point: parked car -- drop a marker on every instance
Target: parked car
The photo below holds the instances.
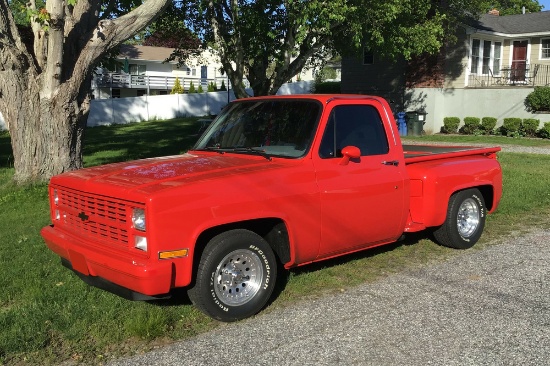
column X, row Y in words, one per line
column 274, row 182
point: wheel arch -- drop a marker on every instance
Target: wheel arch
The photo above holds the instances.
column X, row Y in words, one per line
column 272, row 229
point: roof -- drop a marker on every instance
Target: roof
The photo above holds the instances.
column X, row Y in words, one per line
column 147, row 53
column 524, row 24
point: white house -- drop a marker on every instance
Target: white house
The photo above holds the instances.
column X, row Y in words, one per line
column 142, row 70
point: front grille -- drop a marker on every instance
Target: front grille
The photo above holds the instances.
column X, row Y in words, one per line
column 99, row 218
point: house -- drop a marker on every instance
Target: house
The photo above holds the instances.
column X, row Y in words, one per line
column 142, row 70
column 488, row 72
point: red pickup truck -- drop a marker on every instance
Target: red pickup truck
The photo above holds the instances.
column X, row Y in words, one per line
column 273, row 182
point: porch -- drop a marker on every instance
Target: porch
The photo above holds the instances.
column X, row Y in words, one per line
column 526, row 76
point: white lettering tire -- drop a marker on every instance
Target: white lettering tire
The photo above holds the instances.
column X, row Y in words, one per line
column 465, row 220
column 235, row 276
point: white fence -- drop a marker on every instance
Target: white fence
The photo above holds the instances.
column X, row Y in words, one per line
column 146, row 108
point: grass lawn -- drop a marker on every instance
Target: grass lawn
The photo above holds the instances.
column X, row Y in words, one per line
column 48, row 315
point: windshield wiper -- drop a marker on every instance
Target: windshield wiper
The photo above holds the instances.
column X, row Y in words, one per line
column 254, row 150
column 213, row 148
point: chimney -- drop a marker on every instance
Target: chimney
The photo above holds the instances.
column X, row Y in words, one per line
column 494, row 12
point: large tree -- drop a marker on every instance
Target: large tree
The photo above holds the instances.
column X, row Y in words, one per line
column 270, row 41
column 46, row 71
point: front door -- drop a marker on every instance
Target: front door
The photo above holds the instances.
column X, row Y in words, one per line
column 519, row 61
column 363, row 200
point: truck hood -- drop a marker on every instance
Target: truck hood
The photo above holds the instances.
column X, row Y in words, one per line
column 150, row 175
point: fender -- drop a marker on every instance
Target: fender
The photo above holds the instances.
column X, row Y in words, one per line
column 433, row 183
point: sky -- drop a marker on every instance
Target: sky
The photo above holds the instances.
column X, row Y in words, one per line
column 545, row 3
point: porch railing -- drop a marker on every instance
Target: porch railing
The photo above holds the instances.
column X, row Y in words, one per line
column 536, row 75
column 116, row 80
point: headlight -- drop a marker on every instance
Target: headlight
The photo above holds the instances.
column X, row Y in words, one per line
column 138, row 219
column 55, row 197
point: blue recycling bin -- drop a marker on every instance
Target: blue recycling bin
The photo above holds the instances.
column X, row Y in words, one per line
column 402, row 123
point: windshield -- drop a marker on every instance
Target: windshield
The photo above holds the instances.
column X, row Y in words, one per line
column 282, row 128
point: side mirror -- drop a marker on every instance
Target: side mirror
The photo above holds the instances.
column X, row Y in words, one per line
column 350, row 152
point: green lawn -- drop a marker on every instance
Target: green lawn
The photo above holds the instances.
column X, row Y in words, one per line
column 48, row 315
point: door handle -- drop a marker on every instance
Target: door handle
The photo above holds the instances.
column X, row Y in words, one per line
column 392, row 162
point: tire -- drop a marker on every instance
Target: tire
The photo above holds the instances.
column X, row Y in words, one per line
column 465, row 220
column 236, row 276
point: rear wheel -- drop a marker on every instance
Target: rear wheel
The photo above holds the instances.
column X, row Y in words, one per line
column 235, row 277
column 465, row 220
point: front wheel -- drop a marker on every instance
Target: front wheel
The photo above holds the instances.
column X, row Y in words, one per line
column 235, row 277
column 465, row 220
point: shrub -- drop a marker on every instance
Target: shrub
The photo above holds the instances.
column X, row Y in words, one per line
column 510, row 127
column 192, row 88
column 200, row 90
column 544, row 132
column 529, row 126
column 223, row 88
column 539, row 99
column 471, row 125
column 488, row 124
column 212, row 87
column 327, row 87
column 450, row 124
column 177, row 89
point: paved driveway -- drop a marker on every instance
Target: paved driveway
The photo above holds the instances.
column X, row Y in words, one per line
column 486, row 307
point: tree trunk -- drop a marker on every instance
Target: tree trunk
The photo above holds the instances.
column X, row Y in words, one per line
column 46, row 135
column 45, row 101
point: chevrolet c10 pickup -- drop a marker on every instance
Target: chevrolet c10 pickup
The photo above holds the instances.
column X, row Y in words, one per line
column 273, row 183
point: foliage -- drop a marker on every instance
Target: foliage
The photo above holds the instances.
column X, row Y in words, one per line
column 539, row 99
column 269, row 42
column 200, row 89
column 544, row 132
column 212, row 87
column 223, row 87
column 326, row 73
column 177, row 89
column 192, row 88
column 327, row 87
column 450, row 124
column 529, row 127
column 511, row 127
column 471, row 125
column 488, row 125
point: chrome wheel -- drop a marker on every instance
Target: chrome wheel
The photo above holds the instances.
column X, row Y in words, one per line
column 468, row 218
column 238, row 277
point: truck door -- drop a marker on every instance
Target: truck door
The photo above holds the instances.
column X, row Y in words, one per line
column 362, row 200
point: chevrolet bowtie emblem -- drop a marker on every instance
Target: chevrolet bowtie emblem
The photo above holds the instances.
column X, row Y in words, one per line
column 82, row 216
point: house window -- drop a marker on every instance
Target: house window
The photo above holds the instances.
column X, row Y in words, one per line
column 496, row 57
column 194, row 72
column 545, row 48
column 137, row 69
column 475, row 56
column 368, row 56
column 187, row 71
column 485, row 55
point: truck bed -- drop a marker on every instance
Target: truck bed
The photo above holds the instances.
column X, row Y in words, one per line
column 418, row 153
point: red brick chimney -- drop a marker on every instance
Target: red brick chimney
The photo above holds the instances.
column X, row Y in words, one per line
column 494, row 12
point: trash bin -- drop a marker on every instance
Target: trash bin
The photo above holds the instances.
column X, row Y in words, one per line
column 415, row 123
column 402, row 123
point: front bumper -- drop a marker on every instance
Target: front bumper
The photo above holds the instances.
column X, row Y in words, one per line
column 131, row 278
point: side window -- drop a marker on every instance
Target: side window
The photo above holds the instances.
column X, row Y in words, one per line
column 354, row 125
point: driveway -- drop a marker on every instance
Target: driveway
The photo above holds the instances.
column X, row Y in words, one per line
column 482, row 307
